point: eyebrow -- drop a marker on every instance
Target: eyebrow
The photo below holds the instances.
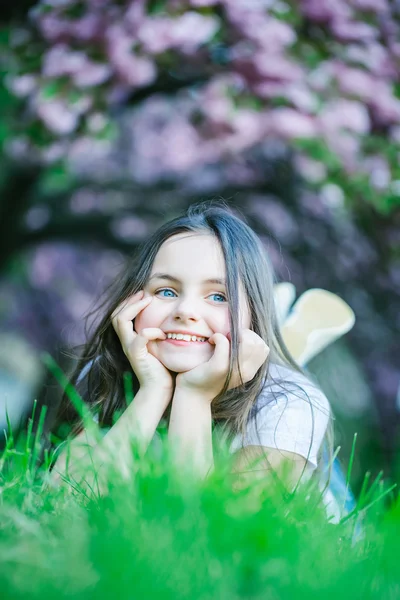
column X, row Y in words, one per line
column 171, row 278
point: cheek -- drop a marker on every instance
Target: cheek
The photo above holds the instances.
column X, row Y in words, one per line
column 144, row 319
column 223, row 325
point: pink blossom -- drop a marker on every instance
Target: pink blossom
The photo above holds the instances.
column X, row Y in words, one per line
column 323, row 12
column 96, row 122
column 186, row 32
column 301, row 97
column 355, row 81
column 215, row 102
column 22, row 85
column 92, row 74
column 60, row 60
column 347, row 148
column 320, row 78
column 52, row 27
column 395, row 49
column 131, row 68
column 85, row 151
column 78, row 303
column 83, row 201
column 379, row 171
column 277, row 67
column 180, row 145
column 129, row 227
column 371, row 5
column 395, row 134
column 351, row 31
column 201, row 3
column 88, row 27
column 312, row 170
column 290, row 124
column 373, row 57
column 156, row 35
column 249, row 129
column 57, row 116
column 135, row 15
column 269, row 33
column 43, row 266
column 345, row 114
column 260, row 6
column 270, row 89
column 386, row 108
column 18, row 147
column 266, row 66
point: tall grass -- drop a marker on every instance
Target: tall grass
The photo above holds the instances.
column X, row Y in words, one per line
column 164, row 534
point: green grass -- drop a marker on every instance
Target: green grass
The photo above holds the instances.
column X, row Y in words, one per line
column 165, row 535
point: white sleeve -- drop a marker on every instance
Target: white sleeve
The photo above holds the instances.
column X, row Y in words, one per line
column 291, row 422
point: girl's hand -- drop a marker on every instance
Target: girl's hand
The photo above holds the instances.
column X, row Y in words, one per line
column 208, row 378
column 147, row 368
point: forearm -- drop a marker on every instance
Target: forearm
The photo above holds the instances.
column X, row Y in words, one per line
column 190, row 431
column 139, row 420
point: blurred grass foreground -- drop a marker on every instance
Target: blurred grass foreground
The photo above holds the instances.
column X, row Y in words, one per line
column 164, row 534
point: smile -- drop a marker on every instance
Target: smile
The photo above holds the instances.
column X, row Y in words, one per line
column 183, row 342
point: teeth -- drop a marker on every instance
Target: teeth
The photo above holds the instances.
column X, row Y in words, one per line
column 187, row 338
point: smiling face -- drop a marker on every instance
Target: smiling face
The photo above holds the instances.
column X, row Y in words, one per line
column 187, row 301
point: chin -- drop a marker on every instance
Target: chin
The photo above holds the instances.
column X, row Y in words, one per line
column 179, row 366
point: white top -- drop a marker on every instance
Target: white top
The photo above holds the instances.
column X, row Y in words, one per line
column 286, row 418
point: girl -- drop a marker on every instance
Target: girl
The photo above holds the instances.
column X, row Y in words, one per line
column 193, row 319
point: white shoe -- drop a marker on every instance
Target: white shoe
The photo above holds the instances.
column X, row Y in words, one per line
column 317, row 319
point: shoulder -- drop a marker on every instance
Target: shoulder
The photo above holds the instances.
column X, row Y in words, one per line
column 284, row 386
column 291, row 413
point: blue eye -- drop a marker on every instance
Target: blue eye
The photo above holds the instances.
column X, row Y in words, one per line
column 164, row 290
column 221, row 295
column 172, row 292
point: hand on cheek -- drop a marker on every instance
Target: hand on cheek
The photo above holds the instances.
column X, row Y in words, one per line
column 207, row 379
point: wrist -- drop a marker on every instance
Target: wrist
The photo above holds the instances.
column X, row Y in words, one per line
column 155, row 394
column 185, row 395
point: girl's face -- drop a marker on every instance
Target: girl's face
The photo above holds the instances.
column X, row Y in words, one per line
column 186, row 302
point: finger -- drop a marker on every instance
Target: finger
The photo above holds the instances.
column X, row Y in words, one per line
column 220, row 359
column 134, row 298
column 123, row 319
column 128, row 306
column 139, row 345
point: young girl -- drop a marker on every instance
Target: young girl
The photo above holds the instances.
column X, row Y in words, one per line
column 193, row 319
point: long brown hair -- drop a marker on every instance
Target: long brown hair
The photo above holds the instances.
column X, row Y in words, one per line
column 246, row 260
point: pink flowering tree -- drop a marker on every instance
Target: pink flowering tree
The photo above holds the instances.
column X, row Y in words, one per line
column 200, row 82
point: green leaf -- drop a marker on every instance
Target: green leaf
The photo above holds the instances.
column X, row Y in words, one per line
column 56, row 179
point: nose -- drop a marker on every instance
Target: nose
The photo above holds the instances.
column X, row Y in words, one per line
column 186, row 309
